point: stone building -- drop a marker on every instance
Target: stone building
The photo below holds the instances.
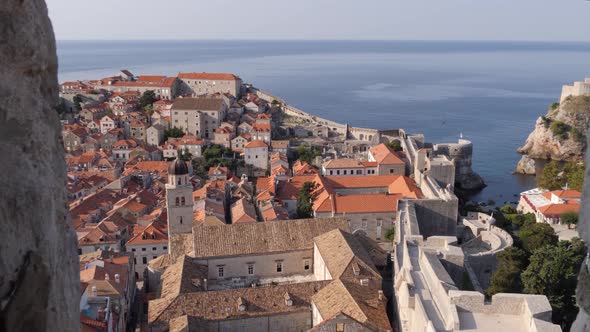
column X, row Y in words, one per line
column 198, row 116
column 209, row 83
column 576, row 89
column 256, row 155
column 388, row 162
column 148, row 243
column 274, row 276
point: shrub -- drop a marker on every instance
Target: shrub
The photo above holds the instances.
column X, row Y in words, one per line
column 560, row 129
column 508, row 209
column 554, row 106
column 390, row 234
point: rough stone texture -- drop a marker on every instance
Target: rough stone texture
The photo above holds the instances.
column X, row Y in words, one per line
column 542, row 144
column 582, row 322
column 526, row 165
column 39, row 281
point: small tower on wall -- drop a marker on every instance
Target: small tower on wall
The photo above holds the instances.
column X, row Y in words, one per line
column 179, row 200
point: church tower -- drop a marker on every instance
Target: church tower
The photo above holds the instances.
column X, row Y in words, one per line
column 179, row 199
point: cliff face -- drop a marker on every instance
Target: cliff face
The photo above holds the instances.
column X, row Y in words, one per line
column 559, row 135
column 39, row 277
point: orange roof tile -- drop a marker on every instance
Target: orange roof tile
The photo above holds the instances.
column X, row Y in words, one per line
column 384, row 155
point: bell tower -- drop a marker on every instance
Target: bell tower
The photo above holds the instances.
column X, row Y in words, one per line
column 179, row 200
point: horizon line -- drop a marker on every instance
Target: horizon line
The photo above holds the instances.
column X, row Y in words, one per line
column 327, row 40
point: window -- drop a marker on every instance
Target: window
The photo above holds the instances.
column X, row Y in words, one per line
column 391, row 171
column 144, row 260
column 339, row 327
column 154, row 248
column 165, row 247
column 133, row 250
column 134, row 260
column 279, row 267
column 331, row 172
column 182, row 201
column 155, row 257
column 364, row 224
column 250, row 269
column 358, row 172
column 142, row 249
column 338, row 172
column 306, row 264
column 180, row 220
column 344, row 172
column 177, row 201
column 79, row 251
column 220, row 271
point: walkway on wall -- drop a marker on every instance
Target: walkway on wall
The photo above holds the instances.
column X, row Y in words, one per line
column 421, row 288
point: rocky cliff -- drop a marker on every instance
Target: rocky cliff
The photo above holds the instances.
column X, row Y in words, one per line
column 39, row 277
column 558, row 135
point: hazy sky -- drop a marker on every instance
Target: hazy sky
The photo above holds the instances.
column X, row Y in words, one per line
column 555, row 20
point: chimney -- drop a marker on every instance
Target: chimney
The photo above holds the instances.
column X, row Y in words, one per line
column 241, row 304
column 106, row 277
column 288, row 300
column 117, row 278
column 94, row 291
column 380, row 293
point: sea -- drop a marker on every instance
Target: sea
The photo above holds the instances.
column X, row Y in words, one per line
column 489, row 92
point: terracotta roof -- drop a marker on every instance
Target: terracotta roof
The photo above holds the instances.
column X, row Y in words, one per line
column 153, row 233
column 243, row 211
column 384, row 155
column 252, row 238
column 303, row 168
column 223, row 305
column 563, row 194
column 343, row 163
column 264, row 127
column 361, row 203
column 341, row 251
column 255, row 144
column 179, row 278
column 203, row 103
column 355, row 300
column 208, row 76
column 559, row 209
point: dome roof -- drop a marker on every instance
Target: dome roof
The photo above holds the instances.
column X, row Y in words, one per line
column 177, row 167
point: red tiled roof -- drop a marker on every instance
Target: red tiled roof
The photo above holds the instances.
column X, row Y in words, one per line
column 208, row 76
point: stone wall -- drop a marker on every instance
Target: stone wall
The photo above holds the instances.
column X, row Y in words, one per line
column 39, row 280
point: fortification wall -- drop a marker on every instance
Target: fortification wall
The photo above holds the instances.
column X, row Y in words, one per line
column 333, row 126
column 364, row 134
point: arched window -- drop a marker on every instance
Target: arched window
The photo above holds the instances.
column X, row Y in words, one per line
column 177, row 201
column 182, row 201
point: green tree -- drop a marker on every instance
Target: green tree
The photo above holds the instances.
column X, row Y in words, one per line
column 147, row 98
column 77, row 102
column 185, row 154
column 554, row 106
column 574, row 175
column 305, row 200
column 560, row 129
column 550, row 178
column 553, row 271
column 506, row 279
column 174, row 132
column 390, row 234
column 536, row 236
column 395, row 145
column 508, row 209
column 306, row 153
column 569, row 218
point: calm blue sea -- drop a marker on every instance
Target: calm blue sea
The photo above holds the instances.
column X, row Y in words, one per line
column 492, row 92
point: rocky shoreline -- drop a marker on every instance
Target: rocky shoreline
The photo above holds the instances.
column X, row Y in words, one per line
column 558, row 135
